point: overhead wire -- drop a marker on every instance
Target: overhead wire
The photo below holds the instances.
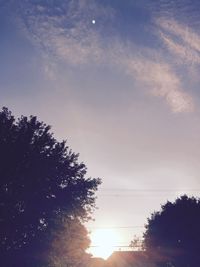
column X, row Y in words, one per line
column 115, row 227
column 136, row 192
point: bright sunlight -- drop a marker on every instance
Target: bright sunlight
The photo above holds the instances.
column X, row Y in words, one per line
column 103, row 242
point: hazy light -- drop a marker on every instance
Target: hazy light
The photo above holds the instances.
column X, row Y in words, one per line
column 103, row 242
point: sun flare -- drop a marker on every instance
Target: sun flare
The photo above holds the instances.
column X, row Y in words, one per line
column 103, row 242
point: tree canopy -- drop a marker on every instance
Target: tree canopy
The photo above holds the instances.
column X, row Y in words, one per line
column 41, row 182
column 172, row 236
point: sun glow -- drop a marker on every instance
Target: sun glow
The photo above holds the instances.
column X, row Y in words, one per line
column 103, row 242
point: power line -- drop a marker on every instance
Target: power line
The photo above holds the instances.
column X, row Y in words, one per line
column 118, row 246
column 106, row 192
column 152, row 190
column 137, row 192
column 147, row 192
column 116, row 227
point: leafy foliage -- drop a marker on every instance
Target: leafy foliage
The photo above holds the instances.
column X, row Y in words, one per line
column 68, row 245
column 41, row 181
column 172, row 235
column 136, row 244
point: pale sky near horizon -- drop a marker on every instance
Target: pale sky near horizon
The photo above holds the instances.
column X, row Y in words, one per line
column 124, row 91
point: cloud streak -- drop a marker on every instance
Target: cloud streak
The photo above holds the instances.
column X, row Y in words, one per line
column 181, row 40
column 185, row 33
column 162, row 81
column 185, row 53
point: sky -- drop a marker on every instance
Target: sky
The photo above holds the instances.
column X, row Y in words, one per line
column 120, row 81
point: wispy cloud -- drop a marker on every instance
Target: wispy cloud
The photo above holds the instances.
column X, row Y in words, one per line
column 184, row 52
column 162, row 82
column 66, row 32
column 181, row 40
column 185, row 33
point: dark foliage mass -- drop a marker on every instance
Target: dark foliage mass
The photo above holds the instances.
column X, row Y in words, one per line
column 68, row 245
column 41, row 182
column 172, row 236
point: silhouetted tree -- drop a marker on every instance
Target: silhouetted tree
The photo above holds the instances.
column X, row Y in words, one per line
column 172, row 236
column 136, row 244
column 68, row 245
column 41, row 182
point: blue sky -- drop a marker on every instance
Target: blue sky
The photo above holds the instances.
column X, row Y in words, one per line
column 124, row 92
